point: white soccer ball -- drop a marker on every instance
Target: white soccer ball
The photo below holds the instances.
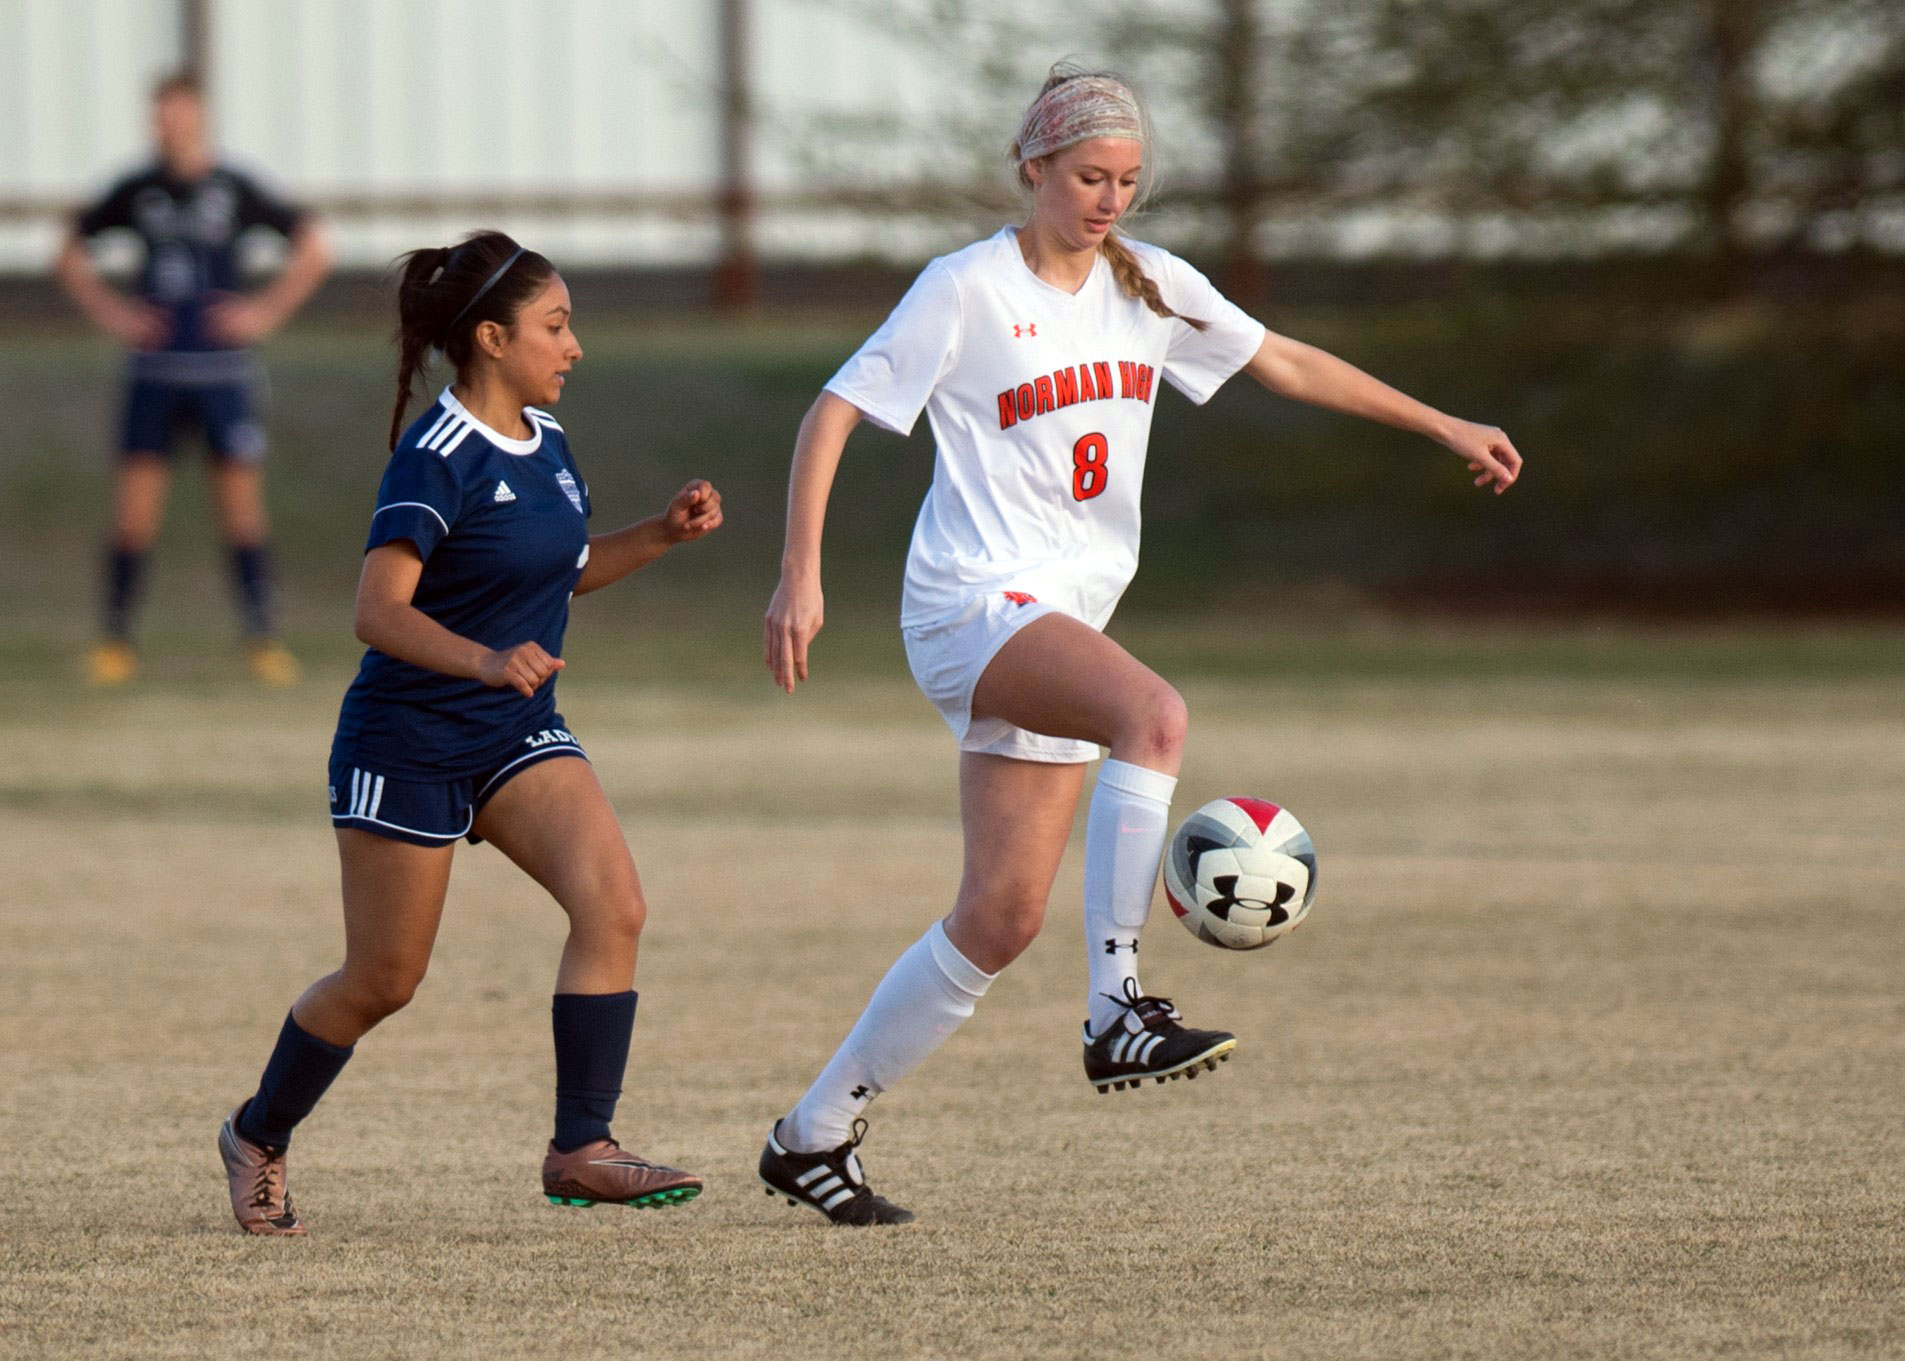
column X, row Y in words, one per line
column 1240, row 873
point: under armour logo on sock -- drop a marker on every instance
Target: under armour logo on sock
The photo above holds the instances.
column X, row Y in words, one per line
column 859, row 1093
column 1114, row 945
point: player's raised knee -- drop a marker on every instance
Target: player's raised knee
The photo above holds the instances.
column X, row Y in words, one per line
column 1155, row 725
column 1171, row 719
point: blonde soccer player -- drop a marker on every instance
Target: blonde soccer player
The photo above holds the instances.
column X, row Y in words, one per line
column 1036, row 355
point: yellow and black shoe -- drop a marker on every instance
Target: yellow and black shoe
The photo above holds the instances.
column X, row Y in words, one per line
column 271, row 664
column 111, row 663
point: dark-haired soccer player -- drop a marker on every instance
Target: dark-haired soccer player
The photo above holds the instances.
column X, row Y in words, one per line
column 478, row 540
column 188, row 328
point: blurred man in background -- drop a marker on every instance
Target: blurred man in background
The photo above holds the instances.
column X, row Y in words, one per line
column 188, row 330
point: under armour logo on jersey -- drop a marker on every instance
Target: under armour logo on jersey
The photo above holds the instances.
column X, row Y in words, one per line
column 1020, row 332
column 503, row 493
column 1114, row 945
column 1020, row 597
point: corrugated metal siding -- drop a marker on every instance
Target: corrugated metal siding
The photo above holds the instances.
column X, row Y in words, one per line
column 368, row 101
column 74, row 75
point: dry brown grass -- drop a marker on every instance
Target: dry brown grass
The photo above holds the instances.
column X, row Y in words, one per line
column 1593, row 1047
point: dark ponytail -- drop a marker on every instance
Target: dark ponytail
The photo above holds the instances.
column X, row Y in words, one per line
column 445, row 292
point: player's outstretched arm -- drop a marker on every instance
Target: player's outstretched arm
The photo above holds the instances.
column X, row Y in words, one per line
column 249, row 319
column 1304, row 373
column 798, row 609
column 694, row 513
column 387, row 621
column 133, row 322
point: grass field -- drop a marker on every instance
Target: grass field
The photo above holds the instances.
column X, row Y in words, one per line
column 1592, row 1047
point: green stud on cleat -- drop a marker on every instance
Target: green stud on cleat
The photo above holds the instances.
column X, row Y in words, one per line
column 676, row 1196
column 679, row 1195
column 603, row 1173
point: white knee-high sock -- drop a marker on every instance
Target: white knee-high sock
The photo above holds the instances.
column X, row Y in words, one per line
column 930, row 990
column 1124, row 839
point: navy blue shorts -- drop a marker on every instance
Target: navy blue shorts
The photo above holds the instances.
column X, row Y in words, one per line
column 434, row 813
column 157, row 411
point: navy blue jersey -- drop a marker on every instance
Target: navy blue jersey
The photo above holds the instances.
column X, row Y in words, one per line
column 190, row 231
column 502, row 525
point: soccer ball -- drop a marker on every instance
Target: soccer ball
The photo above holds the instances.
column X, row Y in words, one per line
column 1240, row 873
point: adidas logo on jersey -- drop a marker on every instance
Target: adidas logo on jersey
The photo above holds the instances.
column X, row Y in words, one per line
column 503, row 493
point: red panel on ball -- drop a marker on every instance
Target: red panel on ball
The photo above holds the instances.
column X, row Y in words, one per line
column 1176, row 906
column 1261, row 812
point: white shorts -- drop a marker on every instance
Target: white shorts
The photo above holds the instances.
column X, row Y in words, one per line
column 949, row 655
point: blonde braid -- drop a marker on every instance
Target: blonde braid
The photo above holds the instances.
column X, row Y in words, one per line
column 1075, row 105
column 1135, row 283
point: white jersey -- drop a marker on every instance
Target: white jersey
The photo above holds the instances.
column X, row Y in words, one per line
column 1040, row 405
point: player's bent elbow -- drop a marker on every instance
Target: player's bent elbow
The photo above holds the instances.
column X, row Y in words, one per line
column 363, row 625
column 312, row 245
column 372, row 622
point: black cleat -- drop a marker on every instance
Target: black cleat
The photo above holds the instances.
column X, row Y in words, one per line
column 1148, row 1042
column 833, row 1182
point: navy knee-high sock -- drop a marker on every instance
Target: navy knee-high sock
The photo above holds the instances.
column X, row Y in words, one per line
column 125, row 570
column 592, row 1031
column 251, row 578
column 302, row 1067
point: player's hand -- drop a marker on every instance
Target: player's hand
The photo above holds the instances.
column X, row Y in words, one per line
column 794, row 616
column 1487, row 452
column 137, row 324
column 522, row 668
column 238, row 321
column 695, row 511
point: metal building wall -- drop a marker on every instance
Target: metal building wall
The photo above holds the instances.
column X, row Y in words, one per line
column 590, row 126
column 479, row 104
column 74, row 76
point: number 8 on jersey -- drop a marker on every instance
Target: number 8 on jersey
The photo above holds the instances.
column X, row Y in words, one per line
column 1089, row 470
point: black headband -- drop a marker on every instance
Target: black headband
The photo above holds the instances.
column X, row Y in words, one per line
column 477, row 296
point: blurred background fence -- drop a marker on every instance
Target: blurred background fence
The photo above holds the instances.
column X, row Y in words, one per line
column 1661, row 242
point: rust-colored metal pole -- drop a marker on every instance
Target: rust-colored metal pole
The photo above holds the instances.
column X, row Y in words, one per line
column 1236, row 61
column 1733, row 33
column 737, row 276
column 195, row 38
